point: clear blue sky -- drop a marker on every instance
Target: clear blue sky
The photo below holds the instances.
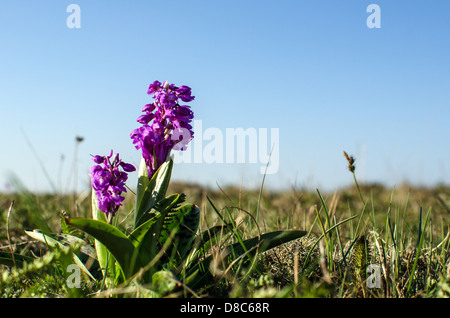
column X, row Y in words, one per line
column 312, row 69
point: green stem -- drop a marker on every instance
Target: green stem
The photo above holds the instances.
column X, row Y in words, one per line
column 359, row 190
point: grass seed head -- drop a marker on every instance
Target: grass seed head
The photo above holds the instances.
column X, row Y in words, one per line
column 351, row 160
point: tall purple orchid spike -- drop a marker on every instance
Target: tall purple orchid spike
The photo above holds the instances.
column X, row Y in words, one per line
column 163, row 122
column 108, row 181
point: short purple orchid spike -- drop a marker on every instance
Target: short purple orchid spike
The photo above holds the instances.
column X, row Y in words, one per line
column 163, row 117
column 108, row 181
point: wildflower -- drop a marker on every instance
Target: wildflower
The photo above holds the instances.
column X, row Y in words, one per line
column 160, row 120
column 153, row 88
column 108, row 181
column 184, row 93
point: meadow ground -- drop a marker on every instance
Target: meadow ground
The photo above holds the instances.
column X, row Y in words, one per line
column 366, row 241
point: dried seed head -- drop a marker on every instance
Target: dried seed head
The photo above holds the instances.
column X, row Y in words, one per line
column 351, row 161
column 79, row 139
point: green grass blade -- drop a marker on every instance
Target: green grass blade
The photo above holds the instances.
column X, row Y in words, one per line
column 323, row 234
column 6, row 259
column 228, row 225
column 206, row 239
column 200, row 273
column 267, row 241
column 419, row 246
column 327, row 214
column 389, row 223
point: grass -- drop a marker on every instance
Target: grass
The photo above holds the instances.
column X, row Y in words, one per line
column 400, row 234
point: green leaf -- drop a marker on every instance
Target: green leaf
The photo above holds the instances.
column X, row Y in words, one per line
column 183, row 224
column 142, row 186
column 105, row 259
column 113, row 239
column 52, row 241
column 188, row 229
column 147, row 237
column 137, row 236
column 65, row 239
column 149, row 192
column 169, row 203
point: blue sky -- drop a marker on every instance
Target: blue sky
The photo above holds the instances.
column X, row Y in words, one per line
column 311, row 69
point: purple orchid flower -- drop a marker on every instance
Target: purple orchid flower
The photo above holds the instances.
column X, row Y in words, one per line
column 161, row 118
column 108, row 181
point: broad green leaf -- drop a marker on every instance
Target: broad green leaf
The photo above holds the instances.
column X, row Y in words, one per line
column 65, row 239
column 162, row 180
column 147, row 237
column 114, row 240
column 96, row 213
column 104, row 258
column 188, row 229
column 142, row 186
column 183, row 224
column 149, row 192
column 156, row 214
column 136, row 237
column 48, row 240
column 169, row 203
